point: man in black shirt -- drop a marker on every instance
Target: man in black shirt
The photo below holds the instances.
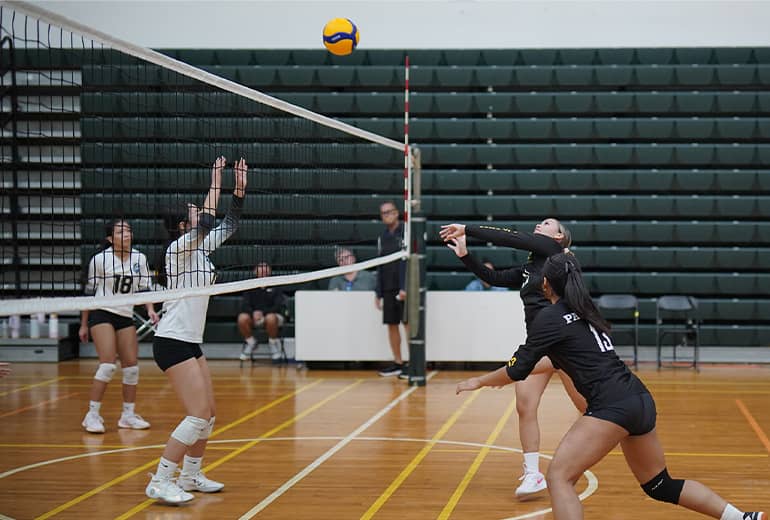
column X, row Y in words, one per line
column 621, row 410
column 391, row 285
column 262, row 307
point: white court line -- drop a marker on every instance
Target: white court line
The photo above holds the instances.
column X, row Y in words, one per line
column 593, row 483
column 320, row 460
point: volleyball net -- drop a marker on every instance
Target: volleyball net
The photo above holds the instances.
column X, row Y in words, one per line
column 96, row 129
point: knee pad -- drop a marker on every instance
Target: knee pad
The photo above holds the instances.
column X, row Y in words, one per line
column 663, row 488
column 206, row 433
column 105, row 372
column 189, row 430
column 131, row 375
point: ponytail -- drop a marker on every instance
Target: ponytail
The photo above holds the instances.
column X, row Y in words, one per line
column 566, row 279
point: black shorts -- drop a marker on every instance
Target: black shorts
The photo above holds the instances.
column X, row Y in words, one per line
column 392, row 309
column 636, row 414
column 98, row 316
column 169, row 352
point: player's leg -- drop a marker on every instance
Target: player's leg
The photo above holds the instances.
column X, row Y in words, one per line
column 189, row 384
column 128, row 350
column 585, row 444
column 647, row 462
column 528, row 394
column 392, row 315
column 191, row 477
column 104, row 338
column 246, row 327
column 272, row 326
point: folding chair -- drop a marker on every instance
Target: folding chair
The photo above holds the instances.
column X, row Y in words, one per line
column 677, row 316
column 618, row 306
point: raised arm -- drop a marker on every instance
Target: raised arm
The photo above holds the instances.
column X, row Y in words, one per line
column 190, row 241
column 536, row 243
column 513, row 278
column 230, row 223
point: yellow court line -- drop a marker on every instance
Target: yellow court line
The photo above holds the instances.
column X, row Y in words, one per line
column 131, row 512
column 27, row 387
column 455, row 498
column 377, row 505
column 150, row 464
column 754, row 424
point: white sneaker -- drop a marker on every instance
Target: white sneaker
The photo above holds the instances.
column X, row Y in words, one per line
column 275, row 353
column 134, row 422
column 93, row 423
column 199, row 482
column 246, row 351
column 166, row 490
column 533, row 483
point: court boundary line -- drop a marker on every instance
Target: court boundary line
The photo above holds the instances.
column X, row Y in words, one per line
column 754, row 424
column 454, row 499
column 34, row 385
column 41, row 403
column 328, row 454
column 143, row 467
column 593, row 481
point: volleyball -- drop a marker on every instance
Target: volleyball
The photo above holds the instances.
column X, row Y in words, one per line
column 340, row 36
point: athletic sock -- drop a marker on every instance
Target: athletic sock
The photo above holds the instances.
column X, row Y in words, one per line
column 166, row 469
column 532, row 462
column 192, row 465
column 94, row 406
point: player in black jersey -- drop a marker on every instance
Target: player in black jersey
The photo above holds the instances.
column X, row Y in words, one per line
column 621, row 410
column 549, row 237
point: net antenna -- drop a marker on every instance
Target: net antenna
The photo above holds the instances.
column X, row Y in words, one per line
column 267, row 200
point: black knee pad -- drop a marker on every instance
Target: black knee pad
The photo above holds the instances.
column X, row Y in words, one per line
column 663, row 488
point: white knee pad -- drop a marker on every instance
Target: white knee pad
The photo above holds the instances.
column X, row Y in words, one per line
column 105, row 372
column 208, row 429
column 189, row 430
column 131, row 375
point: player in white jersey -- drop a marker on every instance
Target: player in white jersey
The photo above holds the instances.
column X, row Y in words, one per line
column 117, row 269
column 177, row 342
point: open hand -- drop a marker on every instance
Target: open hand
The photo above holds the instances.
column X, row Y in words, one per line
column 241, row 169
column 451, row 231
column 458, row 246
column 216, row 171
column 471, row 384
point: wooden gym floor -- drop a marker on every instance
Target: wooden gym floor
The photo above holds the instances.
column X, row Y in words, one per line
column 292, row 444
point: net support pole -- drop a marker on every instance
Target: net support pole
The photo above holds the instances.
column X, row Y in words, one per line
column 416, row 290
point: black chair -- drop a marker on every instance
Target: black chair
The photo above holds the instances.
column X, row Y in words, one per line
column 619, row 306
column 678, row 316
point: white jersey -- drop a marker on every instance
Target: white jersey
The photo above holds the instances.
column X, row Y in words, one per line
column 108, row 275
column 188, row 265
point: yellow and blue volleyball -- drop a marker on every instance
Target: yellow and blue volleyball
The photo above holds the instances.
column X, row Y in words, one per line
column 340, row 36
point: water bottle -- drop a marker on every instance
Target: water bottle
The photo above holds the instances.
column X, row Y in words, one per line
column 34, row 327
column 15, row 324
column 53, row 326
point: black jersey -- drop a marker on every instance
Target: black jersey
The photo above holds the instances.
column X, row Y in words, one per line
column 392, row 276
column 583, row 352
column 527, row 278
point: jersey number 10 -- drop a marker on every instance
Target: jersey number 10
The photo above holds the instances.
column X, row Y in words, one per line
column 604, row 341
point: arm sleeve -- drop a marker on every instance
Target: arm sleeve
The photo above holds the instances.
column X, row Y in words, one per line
column 513, row 278
column 226, row 228
column 538, row 244
column 190, row 241
column 335, row 283
column 544, row 333
column 402, row 274
column 378, row 284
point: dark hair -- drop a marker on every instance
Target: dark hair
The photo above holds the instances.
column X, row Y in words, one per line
column 106, row 242
column 566, row 279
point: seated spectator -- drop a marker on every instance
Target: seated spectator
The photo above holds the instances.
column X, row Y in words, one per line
column 480, row 285
column 355, row 281
column 262, row 307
